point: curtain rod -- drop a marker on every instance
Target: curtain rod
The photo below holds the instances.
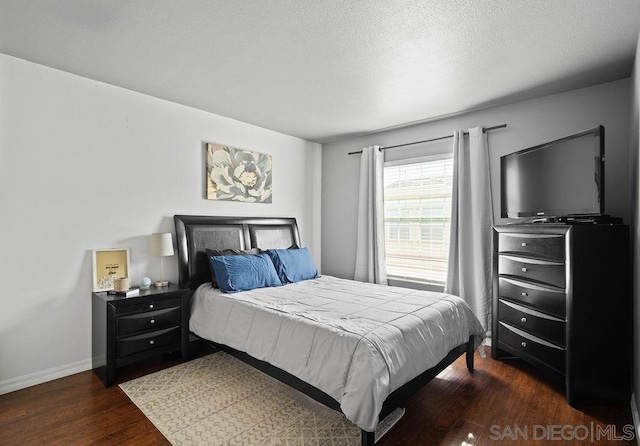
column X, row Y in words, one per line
column 484, row 130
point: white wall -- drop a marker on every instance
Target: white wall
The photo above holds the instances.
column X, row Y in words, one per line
column 85, row 165
column 529, row 123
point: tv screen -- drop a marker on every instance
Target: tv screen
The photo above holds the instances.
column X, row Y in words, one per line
column 561, row 178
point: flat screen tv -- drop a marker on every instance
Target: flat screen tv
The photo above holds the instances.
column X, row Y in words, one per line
column 562, row 178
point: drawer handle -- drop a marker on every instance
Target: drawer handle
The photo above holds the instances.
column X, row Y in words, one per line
column 151, row 306
column 524, row 319
column 524, row 244
column 524, row 344
column 524, row 270
column 524, row 294
column 152, row 342
column 153, row 321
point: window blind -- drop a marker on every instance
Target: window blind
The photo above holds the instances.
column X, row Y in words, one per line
column 417, row 216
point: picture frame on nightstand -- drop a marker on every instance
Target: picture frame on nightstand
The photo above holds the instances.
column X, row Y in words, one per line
column 108, row 265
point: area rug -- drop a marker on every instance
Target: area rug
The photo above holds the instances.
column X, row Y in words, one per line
column 219, row 400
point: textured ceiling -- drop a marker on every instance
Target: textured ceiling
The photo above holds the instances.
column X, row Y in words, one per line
column 324, row 70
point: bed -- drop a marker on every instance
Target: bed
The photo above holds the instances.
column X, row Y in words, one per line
column 361, row 349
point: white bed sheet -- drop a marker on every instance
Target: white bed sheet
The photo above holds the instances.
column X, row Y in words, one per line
column 355, row 341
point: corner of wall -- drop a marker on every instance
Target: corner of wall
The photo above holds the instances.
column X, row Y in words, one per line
column 634, row 196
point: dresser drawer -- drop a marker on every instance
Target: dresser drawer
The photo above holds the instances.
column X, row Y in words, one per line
column 550, row 273
column 543, row 246
column 148, row 320
column 147, row 341
column 149, row 304
column 545, row 299
column 527, row 345
column 539, row 324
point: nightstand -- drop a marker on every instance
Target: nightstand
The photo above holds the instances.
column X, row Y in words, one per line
column 129, row 329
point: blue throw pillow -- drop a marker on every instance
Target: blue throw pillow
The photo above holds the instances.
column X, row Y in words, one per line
column 245, row 272
column 293, row 265
column 227, row 252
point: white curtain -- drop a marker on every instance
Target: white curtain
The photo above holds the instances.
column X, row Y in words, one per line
column 370, row 260
column 469, row 271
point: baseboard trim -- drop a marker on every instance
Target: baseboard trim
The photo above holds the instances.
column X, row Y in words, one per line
column 22, row 382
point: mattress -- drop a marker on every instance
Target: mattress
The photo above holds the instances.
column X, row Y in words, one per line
column 355, row 341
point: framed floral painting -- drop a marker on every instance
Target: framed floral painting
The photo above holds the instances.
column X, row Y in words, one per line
column 238, row 175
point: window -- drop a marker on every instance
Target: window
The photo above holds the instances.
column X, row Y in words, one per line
column 417, row 217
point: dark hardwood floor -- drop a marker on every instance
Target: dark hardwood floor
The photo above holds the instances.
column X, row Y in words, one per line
column 501, row 403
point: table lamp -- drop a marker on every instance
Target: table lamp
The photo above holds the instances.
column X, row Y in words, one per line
column 161, row 246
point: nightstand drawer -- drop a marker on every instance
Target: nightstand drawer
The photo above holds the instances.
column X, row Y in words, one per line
column 537, row 323
column 550, row 273
column 527, row 345
column 147, row 341
column 148, row 320
column 549, row 247
column 149, row 305
column 545, row 299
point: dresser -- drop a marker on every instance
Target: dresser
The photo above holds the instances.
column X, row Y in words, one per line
column 562, row 302
column 126, row 330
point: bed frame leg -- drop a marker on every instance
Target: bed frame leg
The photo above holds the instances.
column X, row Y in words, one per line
column 470, row 351
column 368, row 438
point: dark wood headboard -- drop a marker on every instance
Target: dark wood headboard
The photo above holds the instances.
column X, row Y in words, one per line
column 197, row 233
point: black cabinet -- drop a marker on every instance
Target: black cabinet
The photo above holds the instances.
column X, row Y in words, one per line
column 129, row 329
column 562, row 302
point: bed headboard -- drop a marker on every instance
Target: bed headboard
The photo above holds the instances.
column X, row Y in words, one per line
column 197, row 233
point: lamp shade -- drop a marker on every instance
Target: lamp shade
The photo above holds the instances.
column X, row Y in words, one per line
column 161, row 244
